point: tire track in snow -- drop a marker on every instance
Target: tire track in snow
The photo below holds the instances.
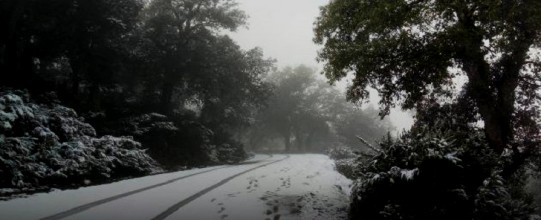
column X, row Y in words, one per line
column 184, row 202
column 90, row 205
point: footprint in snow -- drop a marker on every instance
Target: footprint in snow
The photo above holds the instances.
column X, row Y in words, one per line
column 222, row 209
column 233, row 194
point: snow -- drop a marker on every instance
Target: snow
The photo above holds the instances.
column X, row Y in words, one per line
column 49, row 145
column 46, row 204
column 152, row 202
column 408, row 174
column 299, row 187
column 452, row 157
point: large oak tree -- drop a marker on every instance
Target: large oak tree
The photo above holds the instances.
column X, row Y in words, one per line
column 412, row 51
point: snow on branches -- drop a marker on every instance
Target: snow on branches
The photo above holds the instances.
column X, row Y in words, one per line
column 49, row 146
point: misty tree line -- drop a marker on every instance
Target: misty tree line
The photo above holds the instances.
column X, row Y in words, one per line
column 164, row 72
column 306, row 114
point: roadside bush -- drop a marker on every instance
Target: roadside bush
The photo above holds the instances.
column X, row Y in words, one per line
column 438, row 171
column 345, row 161
column 226, row 150
column 44, row 146
column 338, row 153
column 174, row 144
column 181, row 141
column 347, row 167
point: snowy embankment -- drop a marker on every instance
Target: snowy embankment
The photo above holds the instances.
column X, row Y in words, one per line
column 277, row 187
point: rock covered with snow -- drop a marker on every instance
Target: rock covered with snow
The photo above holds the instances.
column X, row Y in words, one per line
column 46, row 146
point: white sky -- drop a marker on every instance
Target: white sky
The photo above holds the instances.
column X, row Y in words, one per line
column 284, row 30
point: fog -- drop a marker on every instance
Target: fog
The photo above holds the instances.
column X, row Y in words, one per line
column 219, row 109
column 284, row 30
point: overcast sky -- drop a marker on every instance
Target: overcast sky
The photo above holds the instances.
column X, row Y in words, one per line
column 284, row 30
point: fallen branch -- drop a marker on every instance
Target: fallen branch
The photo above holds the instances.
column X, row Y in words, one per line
column 366, row 155
column 377, row 150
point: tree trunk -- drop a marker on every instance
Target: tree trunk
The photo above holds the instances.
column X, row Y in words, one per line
column 166, row 97
column 76, row 72
column 481, row 90
column 287, row 141
column 496, row 113
column 493, row 89
column 254, row 140
column 496, row 100
column 308, row 141
column 94, row 97
column 299, row 141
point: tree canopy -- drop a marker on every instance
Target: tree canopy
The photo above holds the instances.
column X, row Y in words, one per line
column 414, row 52
column 309, row 115
column 471, row 70
column 162, row 71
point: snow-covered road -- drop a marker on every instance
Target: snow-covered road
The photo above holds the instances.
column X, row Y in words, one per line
column 265, row 187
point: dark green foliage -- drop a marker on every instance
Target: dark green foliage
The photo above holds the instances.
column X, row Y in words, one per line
column 347, row 167
column 437, row 172
column 413, row 52
column 118, row 63
column 47, row 38
column 534, row 188
column 181, row 142
column 45, row 146
column 170, row 144
column 200, row 80
column 226, row 150
column 345, row 161
column 339, row 153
